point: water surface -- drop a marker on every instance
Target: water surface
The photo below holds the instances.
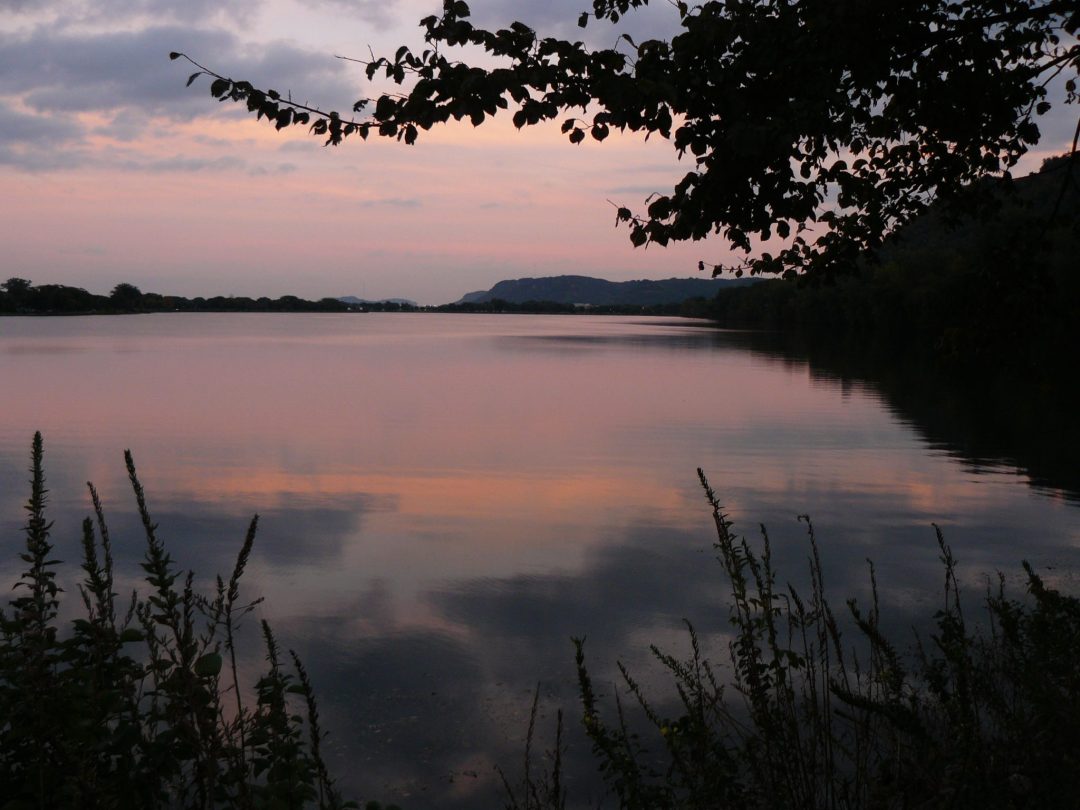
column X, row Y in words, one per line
column 445, row 499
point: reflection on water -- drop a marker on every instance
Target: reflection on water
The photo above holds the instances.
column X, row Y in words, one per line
column 1000, row 424
column 445, row 500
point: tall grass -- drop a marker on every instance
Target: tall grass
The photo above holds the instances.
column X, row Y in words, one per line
column 138, row 703
column 978, row 714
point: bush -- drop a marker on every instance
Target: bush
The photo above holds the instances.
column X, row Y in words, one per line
column 142, row 706
column 975, row 717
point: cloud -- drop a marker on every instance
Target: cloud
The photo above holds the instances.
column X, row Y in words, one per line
column 559, row 18
column 625, row 587
column 189, row 10
column 380, row 14
column 52, row 79
column 19, row 127
column 22, row 6
column 61, row 72
column 391, row 202
column 38, row 142
column 114, row 11
column 641, row 190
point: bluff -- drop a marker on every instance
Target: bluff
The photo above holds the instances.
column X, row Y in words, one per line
column 600, row 292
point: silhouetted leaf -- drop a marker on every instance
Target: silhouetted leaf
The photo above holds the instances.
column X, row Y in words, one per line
column 208, row 666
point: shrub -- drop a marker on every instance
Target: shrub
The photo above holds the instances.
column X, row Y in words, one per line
column 142, row 706
column 980, row 717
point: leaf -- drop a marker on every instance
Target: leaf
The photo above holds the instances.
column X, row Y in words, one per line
column 175, row 55
column 193, row 77
column 219, row 88
column 208, row 666
column 583, row 20
column 131, row 634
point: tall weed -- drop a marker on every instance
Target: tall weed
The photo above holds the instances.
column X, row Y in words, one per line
column 977, row 715
column 131, row 706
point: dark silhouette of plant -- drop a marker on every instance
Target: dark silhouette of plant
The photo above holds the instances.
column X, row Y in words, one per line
column 127, row 707
column 126, row 297
column 978, row 717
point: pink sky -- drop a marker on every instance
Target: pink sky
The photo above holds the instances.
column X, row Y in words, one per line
column 114, row 171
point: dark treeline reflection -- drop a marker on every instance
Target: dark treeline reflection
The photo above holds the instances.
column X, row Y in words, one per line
column 984, row 420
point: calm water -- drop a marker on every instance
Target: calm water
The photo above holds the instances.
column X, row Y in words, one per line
column 445, row 500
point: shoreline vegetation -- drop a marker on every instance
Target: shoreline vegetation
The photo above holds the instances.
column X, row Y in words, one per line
column 138, row 703
column 816, row 708
column 20, row 296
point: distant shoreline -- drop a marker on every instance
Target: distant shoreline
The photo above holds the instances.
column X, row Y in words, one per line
column 562, row 295
column 442, row 309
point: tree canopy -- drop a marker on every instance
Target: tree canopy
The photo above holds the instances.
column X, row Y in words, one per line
column 814, row 128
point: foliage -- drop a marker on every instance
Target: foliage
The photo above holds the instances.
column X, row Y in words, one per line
column 818, row 126
column 131, row 707
column 995, row 295
column 24, row 298
column 126, row 296
column 975, row 718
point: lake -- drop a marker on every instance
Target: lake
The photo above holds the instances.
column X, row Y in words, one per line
column 446, row 499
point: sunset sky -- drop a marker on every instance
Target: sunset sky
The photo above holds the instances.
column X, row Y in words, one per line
column 113, row 171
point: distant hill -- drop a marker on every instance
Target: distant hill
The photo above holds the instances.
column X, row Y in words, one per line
column 600, row 292
column 353, row 301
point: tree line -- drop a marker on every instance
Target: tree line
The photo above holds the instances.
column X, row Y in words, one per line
column 996, row 293
column 19, row 296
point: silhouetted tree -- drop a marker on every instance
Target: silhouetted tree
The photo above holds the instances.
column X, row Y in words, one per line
column 126, row 297
column 816, row 125
column 16, row 286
